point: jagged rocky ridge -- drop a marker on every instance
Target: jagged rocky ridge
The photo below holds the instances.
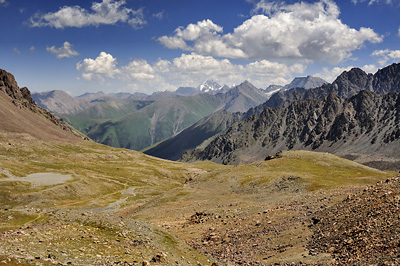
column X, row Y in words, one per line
column 367, row 123
column 21, row 98
column 348, row 84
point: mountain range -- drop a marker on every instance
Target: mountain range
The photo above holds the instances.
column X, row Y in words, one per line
column 137, row 121
column 356, row 116
column 218, row 122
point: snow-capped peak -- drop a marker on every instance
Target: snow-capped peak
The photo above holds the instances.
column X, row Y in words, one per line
column 209, row 85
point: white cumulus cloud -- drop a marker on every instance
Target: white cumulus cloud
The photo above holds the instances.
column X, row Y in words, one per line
column 66, row 51
column 302, row 31
column 186, row 70
column 104, row 66
column 107, row 12
column 386, row 55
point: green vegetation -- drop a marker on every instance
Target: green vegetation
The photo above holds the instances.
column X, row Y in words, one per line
column 112, row 189
column 139, row 124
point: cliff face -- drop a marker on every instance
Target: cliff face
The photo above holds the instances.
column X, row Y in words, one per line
column 19, row 110
column 8, row 85
column 364, row 124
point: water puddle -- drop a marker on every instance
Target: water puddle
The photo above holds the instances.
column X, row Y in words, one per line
column 41, row 179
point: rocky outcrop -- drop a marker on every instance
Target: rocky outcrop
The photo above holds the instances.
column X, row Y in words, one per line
column 8, row 85
column 21, row 98
column 366, row 123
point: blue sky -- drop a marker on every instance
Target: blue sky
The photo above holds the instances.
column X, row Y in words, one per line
column 154, row 45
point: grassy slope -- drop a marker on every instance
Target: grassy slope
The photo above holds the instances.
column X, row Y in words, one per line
column 100, row 175
column 154, row 123
column 173, row 191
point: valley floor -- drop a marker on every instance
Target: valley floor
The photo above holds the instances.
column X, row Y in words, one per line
column 125, row 208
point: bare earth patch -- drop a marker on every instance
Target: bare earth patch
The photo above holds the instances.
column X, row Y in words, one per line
column 42, row 179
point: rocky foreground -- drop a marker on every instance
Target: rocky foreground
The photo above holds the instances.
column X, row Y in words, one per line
column 363, row 229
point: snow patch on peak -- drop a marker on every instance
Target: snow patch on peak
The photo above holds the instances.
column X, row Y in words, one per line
column 209, row 85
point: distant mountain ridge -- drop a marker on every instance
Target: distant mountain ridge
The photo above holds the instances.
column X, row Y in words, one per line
column 139, row 124
column 308, row 82
column 60, row 102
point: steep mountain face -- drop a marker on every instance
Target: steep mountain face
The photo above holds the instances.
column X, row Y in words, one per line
column 20, row 114
column 243, row 97
column 60, row 102
column 387, row 80
column 364, row 124
column 174, row 147
column 346, row 85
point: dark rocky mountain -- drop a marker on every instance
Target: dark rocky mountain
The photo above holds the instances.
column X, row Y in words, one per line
column 348, row 84
column 282, row 98
column 20, row 114
column 364, row 126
